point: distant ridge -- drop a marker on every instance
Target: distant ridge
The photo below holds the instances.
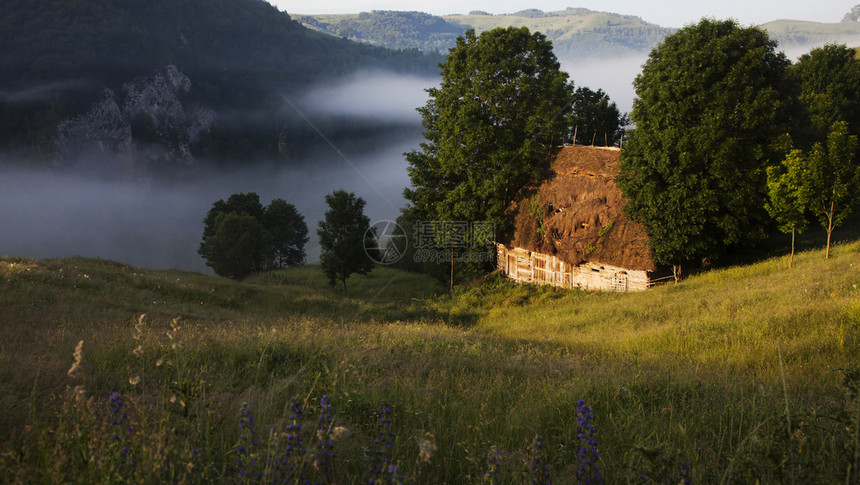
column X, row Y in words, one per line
column 576, row 33
column 799, row 33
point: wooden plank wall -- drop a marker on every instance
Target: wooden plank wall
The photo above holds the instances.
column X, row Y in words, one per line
column 527, row 266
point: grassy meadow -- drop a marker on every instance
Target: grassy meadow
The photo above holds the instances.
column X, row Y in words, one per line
column 739, row 375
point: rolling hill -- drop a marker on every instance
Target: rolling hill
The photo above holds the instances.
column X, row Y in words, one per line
column 577, row 33
column 800, row 34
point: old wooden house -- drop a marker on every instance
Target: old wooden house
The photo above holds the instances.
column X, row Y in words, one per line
column 571, row 231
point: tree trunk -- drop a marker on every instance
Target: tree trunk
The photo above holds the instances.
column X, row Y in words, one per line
column 829, row 229
column 676, row 271
column 791, row 259
column 343, row 280
column 451, row 289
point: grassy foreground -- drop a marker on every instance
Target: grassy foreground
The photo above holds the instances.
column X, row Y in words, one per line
column 737, row 375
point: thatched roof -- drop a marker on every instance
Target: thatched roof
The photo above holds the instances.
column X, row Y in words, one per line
column 581, row 210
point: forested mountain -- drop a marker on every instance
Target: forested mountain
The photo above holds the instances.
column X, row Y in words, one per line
column 575, row 32
column 65, row 60
column 392, row 29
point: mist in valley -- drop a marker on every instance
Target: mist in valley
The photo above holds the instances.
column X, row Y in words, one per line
column 85, row 209
column 159, row 224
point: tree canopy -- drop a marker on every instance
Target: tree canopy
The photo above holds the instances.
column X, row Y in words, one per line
column 834, row 178
column 502, row 105
column 710, row 113
column 241, row 237
column 787, row 195
column 342, row 236
column 239, row 246
column 289, row 233
column 828, row 81
column 595, row 119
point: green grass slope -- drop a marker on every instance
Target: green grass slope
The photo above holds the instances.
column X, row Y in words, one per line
column 683, row 380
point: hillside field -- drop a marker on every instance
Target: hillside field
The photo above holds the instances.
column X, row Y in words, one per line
column 739, row 375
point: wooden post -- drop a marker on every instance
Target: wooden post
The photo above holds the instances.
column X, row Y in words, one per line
column 791, row 260
column 829, row 229
column 451, row 289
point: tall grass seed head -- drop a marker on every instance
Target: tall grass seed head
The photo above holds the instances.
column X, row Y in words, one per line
column 78, row 355
column 426, row 447
column 80, row 393
column 138, row 327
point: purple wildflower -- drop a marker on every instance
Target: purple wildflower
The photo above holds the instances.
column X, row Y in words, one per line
column 118, row 418
column 539, row 471
column 290, row 464
column 493, row 460
column 325, row 445
column 246, row 463
column 684, row 473
column 586, row 451
column 382, row 467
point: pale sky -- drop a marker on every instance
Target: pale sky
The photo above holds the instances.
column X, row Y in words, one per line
column 667, row 13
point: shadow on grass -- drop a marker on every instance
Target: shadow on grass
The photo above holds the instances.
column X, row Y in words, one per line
column 779, row 244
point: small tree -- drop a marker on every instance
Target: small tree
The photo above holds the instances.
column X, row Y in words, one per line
column 834, row 179
column 289, row 233
column 235, row 248
column 239, row 246
column 240, row 203
column 596, row 119
column 787, row 193
column 342, row 237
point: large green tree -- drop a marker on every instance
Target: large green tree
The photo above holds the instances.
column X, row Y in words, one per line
column 828, row 82
column 342, row 236
column 710, row 111
column 502, row 105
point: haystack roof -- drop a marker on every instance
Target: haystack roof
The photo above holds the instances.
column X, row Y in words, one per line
column 577, row 215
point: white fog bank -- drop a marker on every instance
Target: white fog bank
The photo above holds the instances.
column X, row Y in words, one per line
column 158, row 226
